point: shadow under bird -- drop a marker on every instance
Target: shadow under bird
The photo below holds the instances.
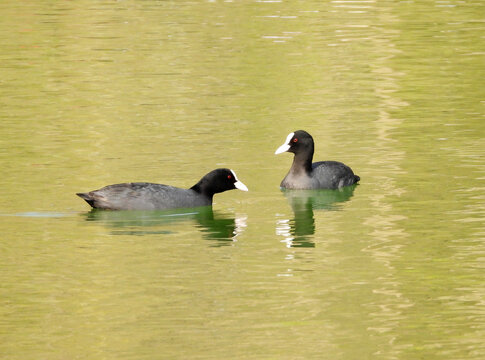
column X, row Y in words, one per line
column 150, row 196
column 304, row 174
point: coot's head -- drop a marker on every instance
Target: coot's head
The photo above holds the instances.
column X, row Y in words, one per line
column 296, row 142
column 219, row 180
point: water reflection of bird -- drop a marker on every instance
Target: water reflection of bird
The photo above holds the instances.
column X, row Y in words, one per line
column 214, row 226
column 298, row 230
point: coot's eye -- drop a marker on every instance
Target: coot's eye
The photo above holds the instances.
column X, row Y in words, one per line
column 229, row 176
column 295, row 140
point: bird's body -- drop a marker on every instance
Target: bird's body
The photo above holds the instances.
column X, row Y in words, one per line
column 304, row 174
column 324, row 175
column 144, row 196
column 150, row 196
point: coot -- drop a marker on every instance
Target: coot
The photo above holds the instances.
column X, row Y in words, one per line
column 319, row 175
column 149, row 196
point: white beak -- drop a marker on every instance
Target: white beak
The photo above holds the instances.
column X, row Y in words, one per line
column 239, row 185
column 286, row 146
column 283, row 148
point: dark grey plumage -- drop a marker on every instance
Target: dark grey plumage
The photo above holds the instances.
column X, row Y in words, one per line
column 150, row 196
column 304, row 174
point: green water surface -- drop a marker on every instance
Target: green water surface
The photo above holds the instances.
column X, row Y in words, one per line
column 100, row 92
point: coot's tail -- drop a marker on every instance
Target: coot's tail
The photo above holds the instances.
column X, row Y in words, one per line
column 86, row 196
column 356, row 179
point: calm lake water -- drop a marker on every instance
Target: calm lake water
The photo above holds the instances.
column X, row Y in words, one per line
column 95, row 93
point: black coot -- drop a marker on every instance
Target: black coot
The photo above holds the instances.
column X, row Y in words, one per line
column 319, row 175
column 149, row 196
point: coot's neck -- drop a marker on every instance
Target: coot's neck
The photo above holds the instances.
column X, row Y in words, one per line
column 302, row 162
column 204, row 189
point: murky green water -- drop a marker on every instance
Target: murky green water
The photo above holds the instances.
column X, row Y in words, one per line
column 94, row 93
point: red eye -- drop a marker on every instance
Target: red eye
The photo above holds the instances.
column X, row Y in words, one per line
column 229, row 176
column 295, row 140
